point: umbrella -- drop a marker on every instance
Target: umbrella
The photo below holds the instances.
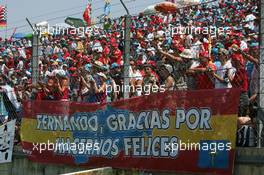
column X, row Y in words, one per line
column 30, row 35
column 75, row 22
column 19, row 35
column 149, row 10
column 166, row 7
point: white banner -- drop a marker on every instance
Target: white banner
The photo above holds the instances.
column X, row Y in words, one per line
column 7, row 133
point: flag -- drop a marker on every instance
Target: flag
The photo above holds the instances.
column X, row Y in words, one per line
column 10, row 39
column 107, row 8
column 215, row 157
column 2, row 16
column 87, row 14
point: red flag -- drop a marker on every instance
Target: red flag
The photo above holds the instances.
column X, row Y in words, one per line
column 86, row 14
column 2, row 16
column 10, row 39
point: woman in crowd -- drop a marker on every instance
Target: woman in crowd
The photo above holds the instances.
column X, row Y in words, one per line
column 224, row 71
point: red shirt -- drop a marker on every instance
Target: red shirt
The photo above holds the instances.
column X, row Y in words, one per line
column 241, row 80
column 117, row 57
column 10, row 63
column 65, row 94
column 66, row 54
column 206, row 46
column 29, row 53
column 40, row 95
column 104, row 60
column 203, row 80
column 106, row 51
column 62, row 96
column 240, row 58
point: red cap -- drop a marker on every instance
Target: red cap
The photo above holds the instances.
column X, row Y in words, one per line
column 72, row 69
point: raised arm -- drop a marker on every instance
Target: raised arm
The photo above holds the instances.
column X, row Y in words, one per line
column 171, row 56
column 250, row 58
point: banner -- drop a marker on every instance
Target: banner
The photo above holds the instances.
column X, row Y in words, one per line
column 3, row 111
column 181, row 131
column 7, row 133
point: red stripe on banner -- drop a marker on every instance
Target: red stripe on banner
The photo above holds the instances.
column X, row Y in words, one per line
column 31, row 108
column 180, row 164
column 222, row 101
column 216, row 99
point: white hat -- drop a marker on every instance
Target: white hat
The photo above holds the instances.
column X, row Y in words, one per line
column 187, row 53
column 24, row 78
column 150, row 37
column 151, row 49
column 170, row 51
column 160, row 33
column 246, row 26
column 205, row 40
column 169, row 68
column 99, row 63
column 102, row 75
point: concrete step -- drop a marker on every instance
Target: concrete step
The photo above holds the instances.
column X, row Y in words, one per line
column 249, row 161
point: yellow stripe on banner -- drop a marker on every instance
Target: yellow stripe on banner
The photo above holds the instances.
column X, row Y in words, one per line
column 224, row 127
column 29, row 133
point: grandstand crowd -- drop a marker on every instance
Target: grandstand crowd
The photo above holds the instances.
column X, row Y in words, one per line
column 163, row 53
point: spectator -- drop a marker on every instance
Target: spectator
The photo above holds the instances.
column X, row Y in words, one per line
column 240, row 80
column 224, row 71
column 149, row 79
column 166, row 74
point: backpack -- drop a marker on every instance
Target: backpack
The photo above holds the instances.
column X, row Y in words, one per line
column 246, row 136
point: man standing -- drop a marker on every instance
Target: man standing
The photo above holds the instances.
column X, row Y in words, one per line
column 240, row 80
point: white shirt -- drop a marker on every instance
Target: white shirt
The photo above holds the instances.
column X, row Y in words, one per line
column 10, row 92
column 250, row 19
column 59, row 72
column 20, row 65
column 135, row 74
column 22, row 53
column 221, row 72
column 196, row 48
column 243, row 45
